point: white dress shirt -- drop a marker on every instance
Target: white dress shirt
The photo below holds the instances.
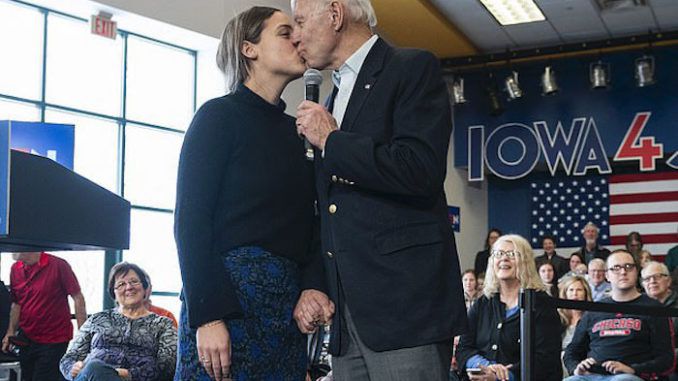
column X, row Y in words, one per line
column 344, row 78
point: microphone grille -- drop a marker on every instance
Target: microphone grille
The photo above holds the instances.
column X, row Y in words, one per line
column 313, row 77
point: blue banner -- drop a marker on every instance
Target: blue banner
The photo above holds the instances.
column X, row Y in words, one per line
column 4, row 177
column 576, row 132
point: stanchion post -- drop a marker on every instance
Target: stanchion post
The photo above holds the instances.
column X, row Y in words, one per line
column 527, row 297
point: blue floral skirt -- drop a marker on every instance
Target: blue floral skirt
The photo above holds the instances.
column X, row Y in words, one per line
column 266, row 344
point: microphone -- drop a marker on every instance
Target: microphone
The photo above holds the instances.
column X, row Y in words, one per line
column 312, row 80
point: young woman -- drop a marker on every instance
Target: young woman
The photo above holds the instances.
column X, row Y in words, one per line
column 547, row 274
column 244, row 218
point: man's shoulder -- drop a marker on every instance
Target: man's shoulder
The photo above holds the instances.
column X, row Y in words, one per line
column 412, row 54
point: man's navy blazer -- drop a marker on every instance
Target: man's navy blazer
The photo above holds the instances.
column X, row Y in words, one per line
column 388, row 247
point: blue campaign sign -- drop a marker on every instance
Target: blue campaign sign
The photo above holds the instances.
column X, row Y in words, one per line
column 55, row 141
column 577, row 132
column 454, row 215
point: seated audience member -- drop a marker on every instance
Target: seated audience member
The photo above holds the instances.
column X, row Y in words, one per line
column 576, row 259
column 645, row 257
column 155, row 309
column 657, row 284
column 470, row 284
column 634, row 244
column 484, row 255
column 572, row 288
column 617, row 346
column 491, row 342
column 600, row 287
column 547, row 275
column 560, row 264
column 591, row 249
column 126, row 343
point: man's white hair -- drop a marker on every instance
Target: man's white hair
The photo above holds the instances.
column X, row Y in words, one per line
column 590, row 225
column 360, row 11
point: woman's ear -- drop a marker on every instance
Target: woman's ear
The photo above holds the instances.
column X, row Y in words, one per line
column 249, row 50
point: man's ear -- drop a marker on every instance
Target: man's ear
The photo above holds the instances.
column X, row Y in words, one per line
column 249, row 50
column 337, row 15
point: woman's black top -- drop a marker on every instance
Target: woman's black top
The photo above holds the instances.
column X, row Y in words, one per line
column 243, row 181
column 497, row 338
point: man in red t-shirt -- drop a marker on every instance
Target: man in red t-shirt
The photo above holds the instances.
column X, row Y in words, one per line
column 40, row 284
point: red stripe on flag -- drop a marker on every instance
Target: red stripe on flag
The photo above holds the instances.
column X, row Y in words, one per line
column 643, row 197
column 643, row 218
column 647, row 239
column 615, row 179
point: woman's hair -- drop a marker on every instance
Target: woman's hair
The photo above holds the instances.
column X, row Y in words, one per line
column 121, row 269
column 581, row 257
column 246, row 26
column 487, row 237
column 563, row 285
column 526, row 271
column 358, row 10
column 469, row 271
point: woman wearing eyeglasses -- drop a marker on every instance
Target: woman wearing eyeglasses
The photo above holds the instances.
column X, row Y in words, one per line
column 490, row 350
column 126, row 343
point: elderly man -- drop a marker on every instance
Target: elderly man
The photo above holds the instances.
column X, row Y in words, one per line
column 657, row 284
column 591, row 249
column 600, row 287
column 617, row 346
column 380, row 163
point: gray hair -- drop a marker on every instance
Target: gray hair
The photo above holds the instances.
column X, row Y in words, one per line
column 361, row 11
column 590, row 225
column 596, row 261
column 526, row 270
column 662, row 268
column 246, row 26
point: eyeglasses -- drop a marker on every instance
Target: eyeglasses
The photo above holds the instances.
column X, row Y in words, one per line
column 655, row 277
column 132, row 283
column 501, row 253
column 627, row 267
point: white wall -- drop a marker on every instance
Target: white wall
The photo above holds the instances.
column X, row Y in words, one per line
column 471, row 198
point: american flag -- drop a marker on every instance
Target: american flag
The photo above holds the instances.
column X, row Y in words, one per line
column 618, row 204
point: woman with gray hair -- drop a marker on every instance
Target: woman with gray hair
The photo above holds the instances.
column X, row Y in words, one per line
column 245, row 217
column 490, row 350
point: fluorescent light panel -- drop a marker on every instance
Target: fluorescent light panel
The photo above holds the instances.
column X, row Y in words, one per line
column 511, row 12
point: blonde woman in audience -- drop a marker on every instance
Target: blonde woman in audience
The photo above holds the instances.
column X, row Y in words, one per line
column 490, row 349
column 645, row 258
column 573, row 287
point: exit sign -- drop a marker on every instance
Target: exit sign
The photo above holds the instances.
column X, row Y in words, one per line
column 102, row 25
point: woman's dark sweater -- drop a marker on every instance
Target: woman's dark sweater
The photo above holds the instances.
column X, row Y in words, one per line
column 497, row 338
column 243, row 181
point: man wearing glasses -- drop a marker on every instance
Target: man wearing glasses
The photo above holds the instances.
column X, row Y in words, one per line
column 657, row 285
column 621, row 347
column 600, row 287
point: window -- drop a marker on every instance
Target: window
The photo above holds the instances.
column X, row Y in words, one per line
column 151, row 169
column 130, row 100
column 21, row 63
column 84, row 71
column 159, row 84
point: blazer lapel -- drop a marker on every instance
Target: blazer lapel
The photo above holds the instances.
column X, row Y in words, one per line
column 367, row 77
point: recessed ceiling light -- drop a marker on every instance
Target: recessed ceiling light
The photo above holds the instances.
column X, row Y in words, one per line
column 511, row 12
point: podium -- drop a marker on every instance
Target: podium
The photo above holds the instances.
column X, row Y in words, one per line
column 46, row 206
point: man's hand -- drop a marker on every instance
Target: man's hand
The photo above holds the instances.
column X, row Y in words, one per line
column 584, row 366
column 5, row 343
column 76, row 368
column 616, row 367
column 315, row 123
column 313, row 308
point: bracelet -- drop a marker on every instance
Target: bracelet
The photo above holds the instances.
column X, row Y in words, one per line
column 212, row 323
